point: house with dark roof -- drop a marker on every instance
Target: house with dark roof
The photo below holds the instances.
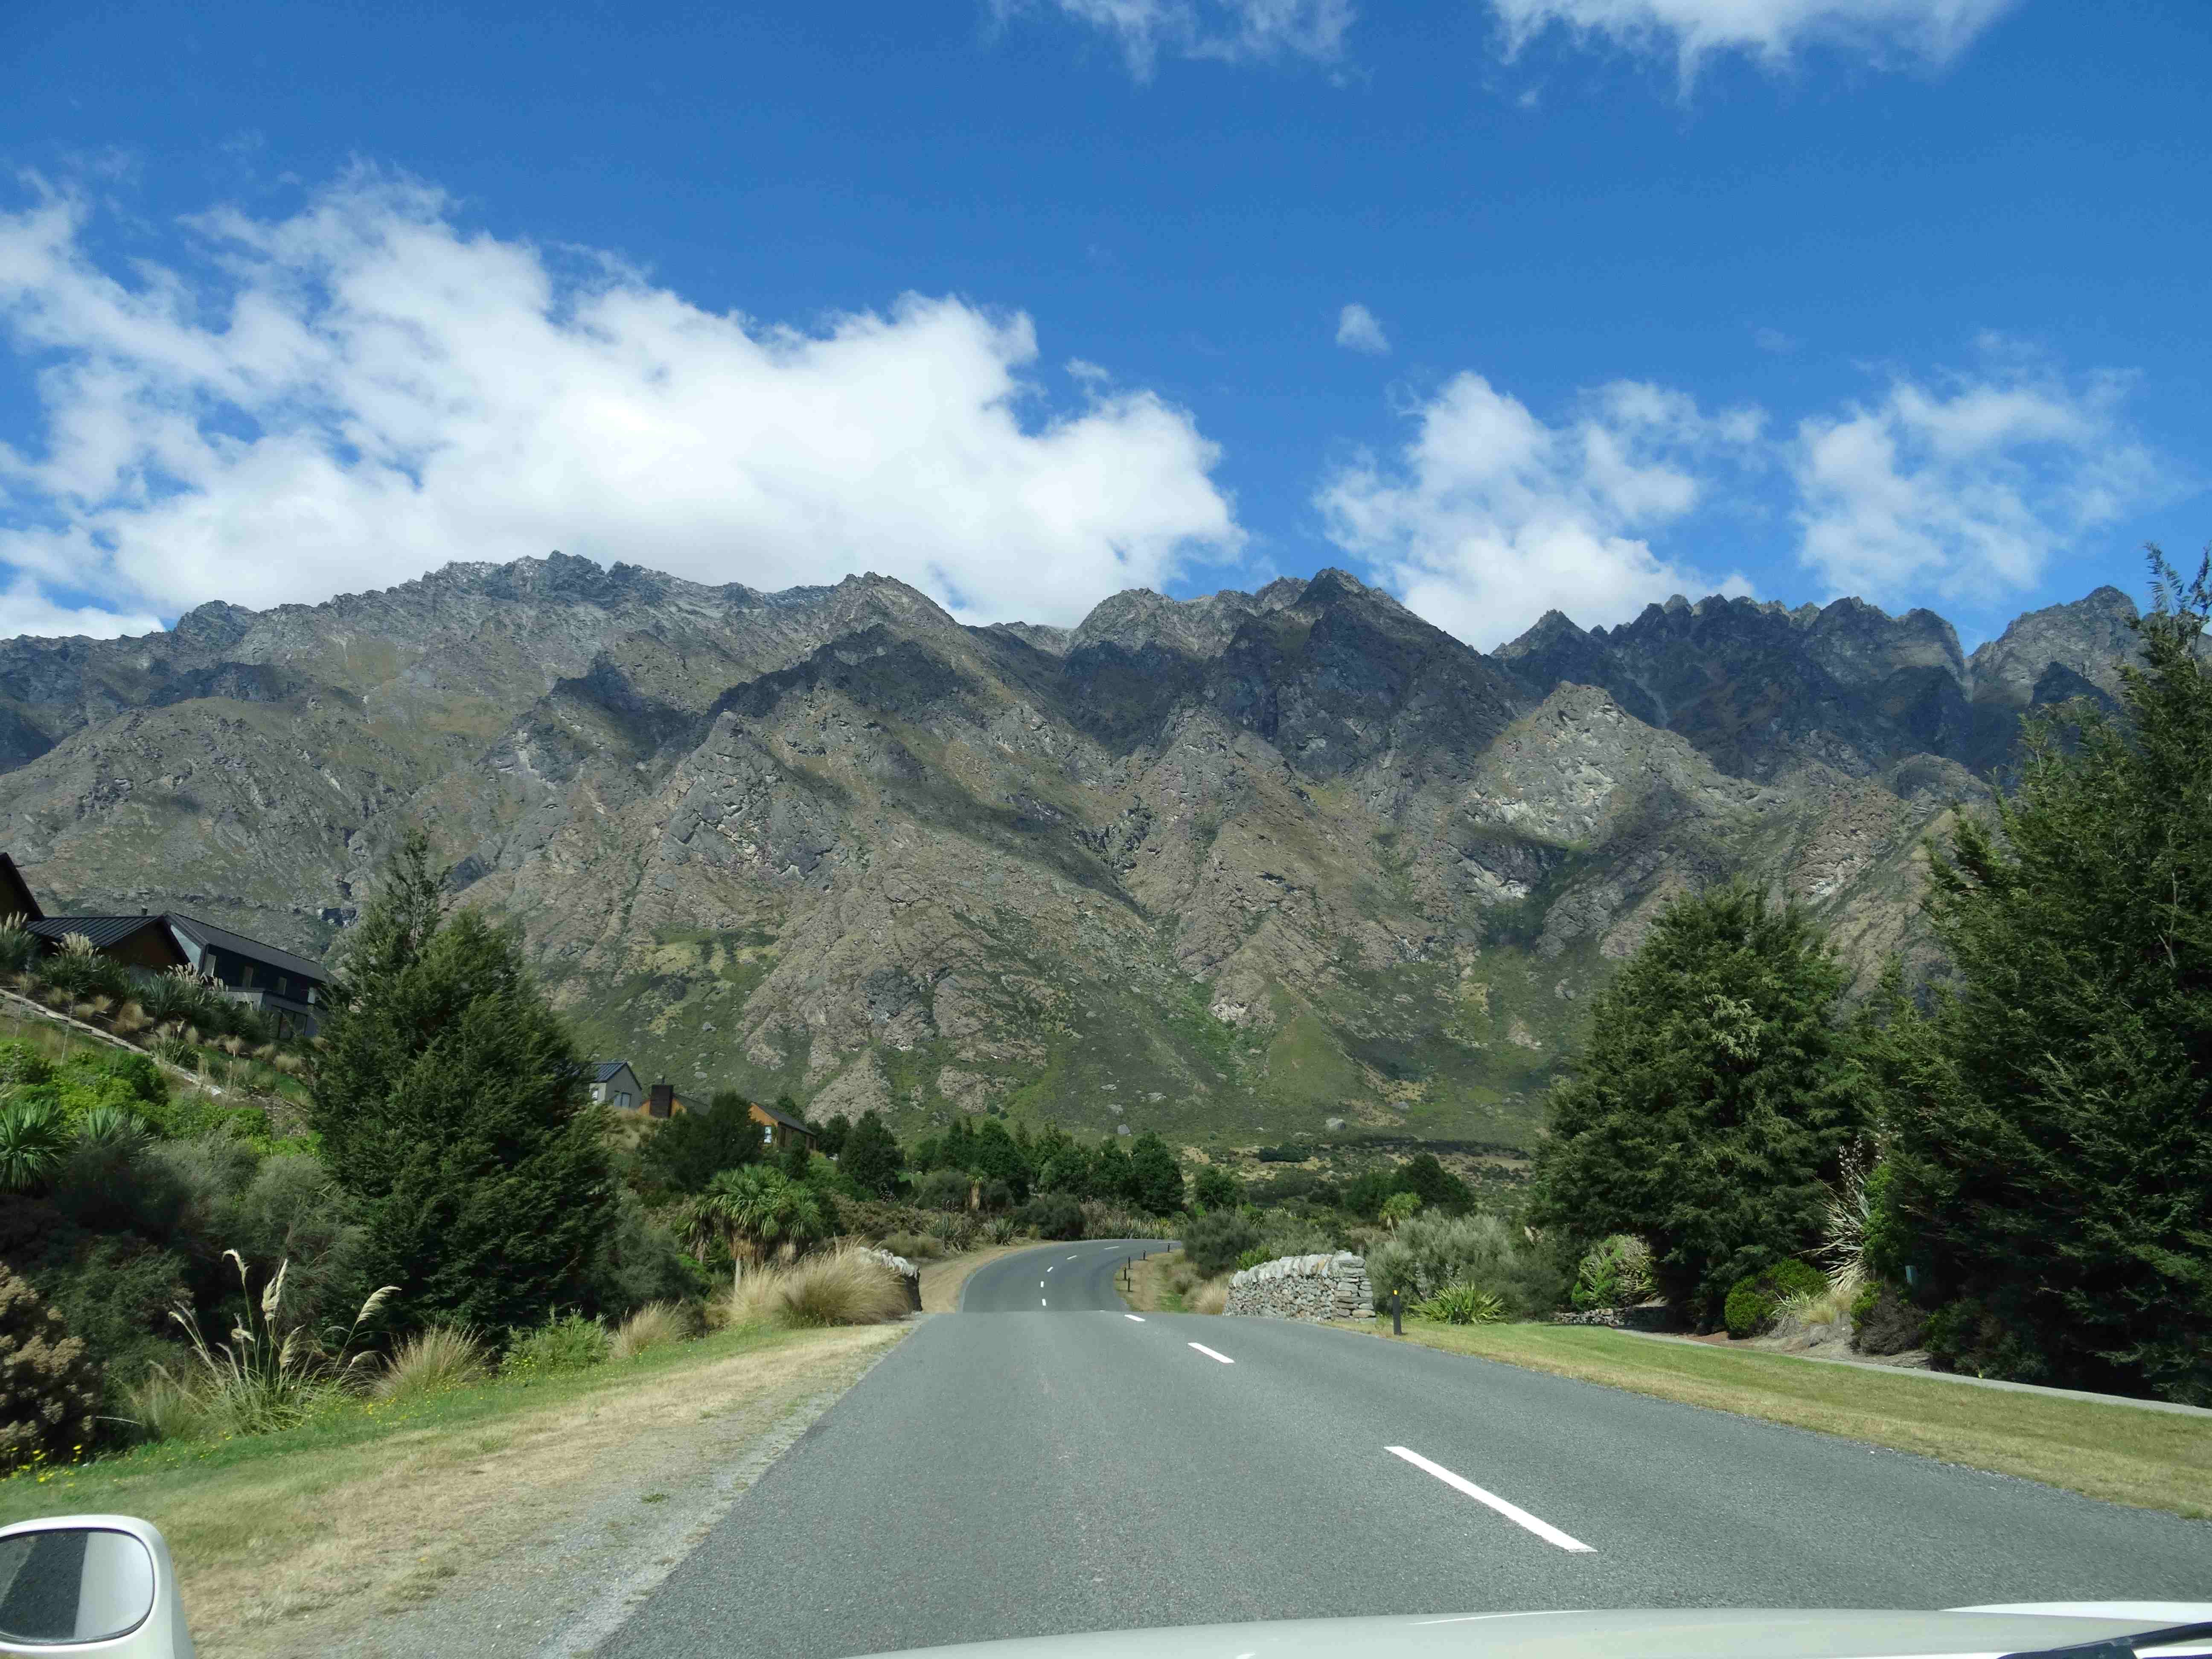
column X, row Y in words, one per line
column 141, row 941
column 272, row 981
column 614, row 1084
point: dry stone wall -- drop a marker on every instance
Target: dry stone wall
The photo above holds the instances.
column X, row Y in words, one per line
column 1304, row 1287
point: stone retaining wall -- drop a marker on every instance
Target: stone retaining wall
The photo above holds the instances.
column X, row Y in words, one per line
column 1315, row 1287
column 1650, row 1316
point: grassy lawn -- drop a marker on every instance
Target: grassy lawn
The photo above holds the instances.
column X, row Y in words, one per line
column 2155, row 1460
column 368, row 1507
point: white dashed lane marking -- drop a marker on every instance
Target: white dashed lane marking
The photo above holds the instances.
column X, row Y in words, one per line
column 1133, row 1316
column 1210, row 1353
column 1513, row 1512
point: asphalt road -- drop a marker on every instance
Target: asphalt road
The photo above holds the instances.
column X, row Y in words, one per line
column 1069, row 1467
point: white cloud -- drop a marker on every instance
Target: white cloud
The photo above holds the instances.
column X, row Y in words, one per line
column 1970, row 485
column 1489, row 516
column 1884, row 32
column 26, row 608
column 1227, row 31
column 367, row 391
column 1356, row 329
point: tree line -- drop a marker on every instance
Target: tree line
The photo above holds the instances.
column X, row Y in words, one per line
column 2015, row 1165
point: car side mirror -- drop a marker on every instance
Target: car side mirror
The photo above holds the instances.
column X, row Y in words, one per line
column 90, row 1584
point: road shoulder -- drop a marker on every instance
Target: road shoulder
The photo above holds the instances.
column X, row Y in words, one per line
column 2148, row 1459
column 517, row 1533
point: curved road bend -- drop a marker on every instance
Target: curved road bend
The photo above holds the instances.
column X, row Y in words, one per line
column 1077, row 1278
column 1068, row 1466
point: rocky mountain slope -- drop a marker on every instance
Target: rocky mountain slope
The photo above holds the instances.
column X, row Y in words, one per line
column 1238, row 867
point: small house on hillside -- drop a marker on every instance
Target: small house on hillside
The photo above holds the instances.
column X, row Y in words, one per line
column 275, row 982
column 614, row 1084
column 270, row 980
column 780, row 1129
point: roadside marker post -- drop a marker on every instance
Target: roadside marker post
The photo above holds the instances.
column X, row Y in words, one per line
column 1397, row 1313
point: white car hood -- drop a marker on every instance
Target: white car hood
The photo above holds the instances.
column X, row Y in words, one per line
column 1660, row 1633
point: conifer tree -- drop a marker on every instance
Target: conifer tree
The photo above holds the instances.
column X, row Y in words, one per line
column 454, row 1112
column 2049, row 1116
column 871, row 1159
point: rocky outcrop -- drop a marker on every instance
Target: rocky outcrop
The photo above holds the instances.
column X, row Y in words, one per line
column 1318, row 1287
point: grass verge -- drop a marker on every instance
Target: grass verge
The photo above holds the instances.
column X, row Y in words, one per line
column 288, row 1542
column 2154, row 1460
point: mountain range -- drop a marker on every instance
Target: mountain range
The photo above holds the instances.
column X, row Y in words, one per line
column 1245, row 867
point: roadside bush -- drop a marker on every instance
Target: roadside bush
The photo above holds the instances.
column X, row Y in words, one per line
column 1054, row 1215
column 114, row 1293
column 437, row 1358
column 1216, row 1240
column 50, row 1387
column 1615, row 1273
column 914, row 1247
column 1216, row 1188
column 1463, row 1304
column 1286, row 1235
column 1429, row 1252
column 653, row 1325
column 1884, row 1322
column 566, row 1342
column 638, row 1260
column 22, row 1065
column 955, row 1229
column 1003, row 1229
column 1970, row 1336
column 943, row 1189
column 1102, row 1220
column 1754, row 1300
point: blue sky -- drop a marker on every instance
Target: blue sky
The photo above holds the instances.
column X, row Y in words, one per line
column 1503, row 304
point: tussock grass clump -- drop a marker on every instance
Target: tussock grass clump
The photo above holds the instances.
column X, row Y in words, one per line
column 846, row 1286
column 164, row 1406
column 914, row 1247
column 1830, row 1305
column 431, row 1362
column 1210, row 1298
column 650, row 1327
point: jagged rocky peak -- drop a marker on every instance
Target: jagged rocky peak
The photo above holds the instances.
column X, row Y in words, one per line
column 1861, row 644
column 2088, row 637
column 1137, row 618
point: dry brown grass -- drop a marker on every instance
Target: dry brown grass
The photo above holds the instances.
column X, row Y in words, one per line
column 299, row 1551
column 843, row 1286
column 2123, row 1453
column 1168, row 1284
column 650, row 1327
